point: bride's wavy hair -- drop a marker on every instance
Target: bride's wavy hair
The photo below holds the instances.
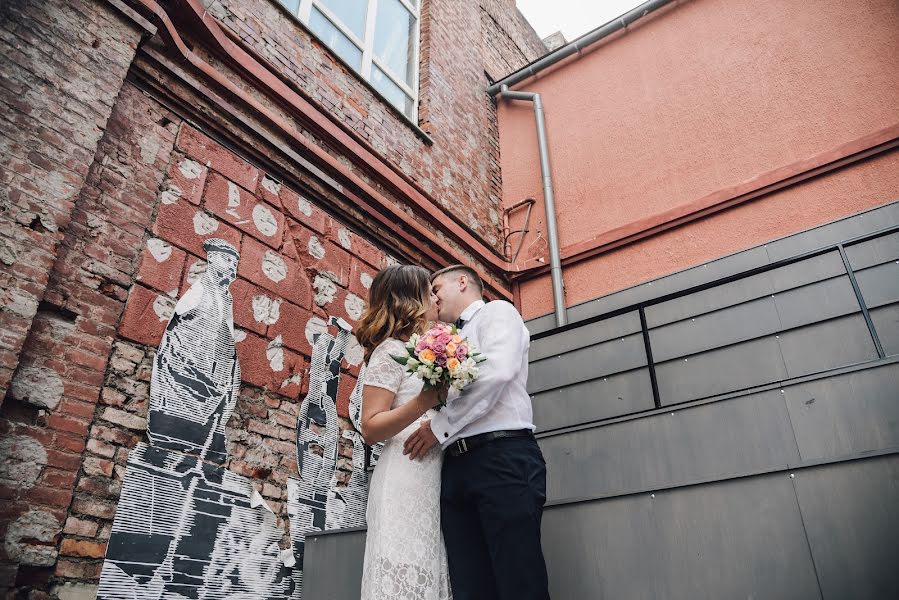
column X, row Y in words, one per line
column 397, row 306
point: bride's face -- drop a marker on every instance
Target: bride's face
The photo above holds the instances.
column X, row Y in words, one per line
column 431, row 303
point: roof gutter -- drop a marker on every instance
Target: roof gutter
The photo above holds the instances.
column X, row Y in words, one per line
column 576, row 46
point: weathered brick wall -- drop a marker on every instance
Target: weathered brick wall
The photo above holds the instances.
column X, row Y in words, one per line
column 63, row 62
column 461, row 40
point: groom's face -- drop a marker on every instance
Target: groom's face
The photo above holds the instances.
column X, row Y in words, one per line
column 448, row 290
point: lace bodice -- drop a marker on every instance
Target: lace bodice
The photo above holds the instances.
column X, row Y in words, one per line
column 384, row 372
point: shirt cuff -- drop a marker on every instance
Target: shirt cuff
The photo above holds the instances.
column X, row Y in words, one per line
column 440, row 428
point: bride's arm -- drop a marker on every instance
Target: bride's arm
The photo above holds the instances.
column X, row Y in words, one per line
column 380, row 422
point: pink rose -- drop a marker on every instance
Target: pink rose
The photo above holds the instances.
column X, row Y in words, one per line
column 444, row 338
column 441, row 360
column 439, row 347
column 422, row 345
column 461, row 352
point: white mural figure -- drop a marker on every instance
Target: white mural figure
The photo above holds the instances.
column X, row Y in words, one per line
column 196, row 376
column 185, row 528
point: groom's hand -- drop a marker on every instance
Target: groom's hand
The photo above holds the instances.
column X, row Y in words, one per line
column 418, row 444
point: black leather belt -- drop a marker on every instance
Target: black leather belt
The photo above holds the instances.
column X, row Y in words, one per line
column 463, row 445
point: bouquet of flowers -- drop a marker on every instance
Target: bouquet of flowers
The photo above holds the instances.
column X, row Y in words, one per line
column 441, row 356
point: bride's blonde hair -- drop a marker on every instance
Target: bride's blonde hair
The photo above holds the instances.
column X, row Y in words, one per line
column 397, row 306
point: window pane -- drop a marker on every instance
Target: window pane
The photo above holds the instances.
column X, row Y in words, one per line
column 391, row 91
column 394, row 35
column 335, row 40
column 350, row 12
column 292, row 5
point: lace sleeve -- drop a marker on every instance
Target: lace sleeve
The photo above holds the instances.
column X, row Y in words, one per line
column 382, row 371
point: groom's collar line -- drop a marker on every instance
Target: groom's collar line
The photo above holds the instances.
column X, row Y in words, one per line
column 470, row 311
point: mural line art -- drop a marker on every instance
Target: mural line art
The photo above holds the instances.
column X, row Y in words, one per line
column 316, row 501
column 186, row 527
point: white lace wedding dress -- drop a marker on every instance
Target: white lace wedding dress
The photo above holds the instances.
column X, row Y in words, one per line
column 405, row 558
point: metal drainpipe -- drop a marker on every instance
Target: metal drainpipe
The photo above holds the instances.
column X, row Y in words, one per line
column 555, row 262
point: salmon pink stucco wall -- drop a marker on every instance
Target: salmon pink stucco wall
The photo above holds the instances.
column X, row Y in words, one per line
column 694, row 105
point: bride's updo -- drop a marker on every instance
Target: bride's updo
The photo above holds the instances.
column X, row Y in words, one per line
column 398, row 303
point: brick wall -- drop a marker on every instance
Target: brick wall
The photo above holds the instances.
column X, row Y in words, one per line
column 63, row 63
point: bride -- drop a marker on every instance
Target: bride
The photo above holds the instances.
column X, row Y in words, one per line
column 405, row 558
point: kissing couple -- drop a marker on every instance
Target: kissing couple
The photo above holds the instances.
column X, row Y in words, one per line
column 456, row 499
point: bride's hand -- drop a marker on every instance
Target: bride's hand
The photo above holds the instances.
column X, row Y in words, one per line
column 432, row 397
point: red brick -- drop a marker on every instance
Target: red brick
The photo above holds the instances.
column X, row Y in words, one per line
column 361, row 276
column 86, row 359
column 80, row 391
column 49, row 495
column 343, row 304
column 242, row 210
column 163, row 273
column 84, row 410
column 256, row 368
column 59, row 479
column 269, row 190
column 265, row 267
column 292, row 328
column 63, row 460
column 243, row 292
column 355, row 245
column 214, row 156
column 79, row 569
column 187, row 226
column 94, row 507
column 344, row 389
column 304, row 211
column 67, row 423
column 83, row 548
column 141, row 322
column 187, row 177
column 76, row 526
column 68, row 441
column 97, row 466
column 320, row 254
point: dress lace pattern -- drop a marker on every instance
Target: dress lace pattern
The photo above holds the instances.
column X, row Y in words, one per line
column 405, row 558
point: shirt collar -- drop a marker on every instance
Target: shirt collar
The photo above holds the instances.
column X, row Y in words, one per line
column 472, row 309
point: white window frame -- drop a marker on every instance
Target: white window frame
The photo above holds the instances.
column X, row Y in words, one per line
column 367, row 44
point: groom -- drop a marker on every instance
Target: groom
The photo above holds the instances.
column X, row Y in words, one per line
column 494, row 479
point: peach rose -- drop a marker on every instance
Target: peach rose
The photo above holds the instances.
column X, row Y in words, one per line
column 456, row 339
column 427, row 355
column 451, row 348
column 453, row 364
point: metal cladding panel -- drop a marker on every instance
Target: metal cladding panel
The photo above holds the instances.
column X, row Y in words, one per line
column 720, row 371
column 836, row 343
column 873, row 252
column 601, row 398
column 816, row 302
column 810, row 270
column 712, row 299
column 886, row 322
column 713, row 440
column 587, row 335
column 847, row 414
column 713, row 330
column 879, row 285
column 614, row 356
column 851, row 513
column 332, row 568
column 735, row 539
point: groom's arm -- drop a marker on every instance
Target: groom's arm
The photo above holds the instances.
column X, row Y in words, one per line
column 503, row 340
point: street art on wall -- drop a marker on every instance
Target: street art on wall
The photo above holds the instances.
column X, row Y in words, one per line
column 316, row 500
column 185, row 526
column 196, row 376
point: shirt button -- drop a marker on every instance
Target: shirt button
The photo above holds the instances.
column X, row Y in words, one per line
column 446, row 435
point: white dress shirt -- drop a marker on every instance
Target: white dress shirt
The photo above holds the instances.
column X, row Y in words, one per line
column 498, row 399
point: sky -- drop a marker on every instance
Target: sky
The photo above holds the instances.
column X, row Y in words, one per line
column 573, row 17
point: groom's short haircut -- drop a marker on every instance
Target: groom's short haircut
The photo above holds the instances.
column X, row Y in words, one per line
column 473, row 277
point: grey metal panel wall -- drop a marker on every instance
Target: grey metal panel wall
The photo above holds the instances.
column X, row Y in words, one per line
column 601, row 331
column 332, row 569
column 851, row 513
column 601, row 398
column 613, row 356
column 849, row 414
column 738, row 539
column 714, row 440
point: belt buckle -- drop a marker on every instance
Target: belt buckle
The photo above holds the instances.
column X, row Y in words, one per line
column 461, row 446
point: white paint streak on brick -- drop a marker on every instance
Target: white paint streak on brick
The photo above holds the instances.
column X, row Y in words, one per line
column 275, row 354
column 266, row 310
column 204, row 224
column 160, row 249
column 316, row 249
column 271, row 185
column 304, row 207
column 274, row 266
column 314, row 326
column 366, row 280
column 233, row 200
column 164, row 307
column 195, row 271
column 191, row 169
column 264, row 220
column 171, row 194
column 354, row 352
column 325, row 290
column 354, row 306
column 345, row 238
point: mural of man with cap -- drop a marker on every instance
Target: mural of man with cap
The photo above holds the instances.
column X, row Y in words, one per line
column 196, row 376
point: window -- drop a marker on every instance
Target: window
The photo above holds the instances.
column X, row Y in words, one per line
column 377, row 38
